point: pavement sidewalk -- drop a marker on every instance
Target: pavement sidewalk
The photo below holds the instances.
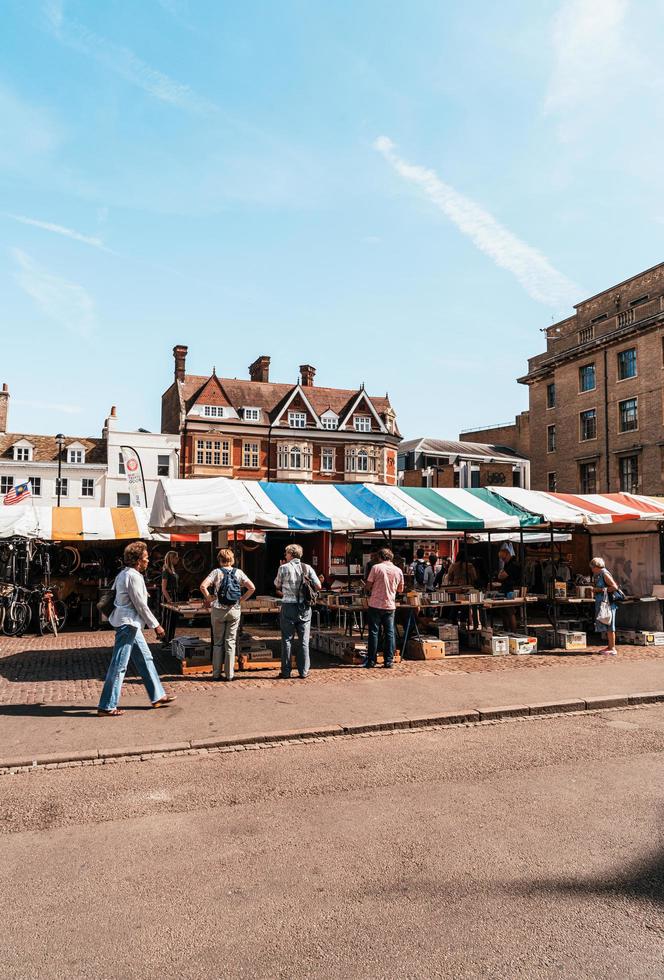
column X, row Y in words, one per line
column 376, row 697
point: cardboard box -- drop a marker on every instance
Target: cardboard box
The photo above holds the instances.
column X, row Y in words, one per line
column 520, row 645
column 497, row 646
column 571, row 640
column 425, row 648
column 647, row 638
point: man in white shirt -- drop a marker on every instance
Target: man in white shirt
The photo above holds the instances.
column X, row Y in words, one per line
column 231, row 587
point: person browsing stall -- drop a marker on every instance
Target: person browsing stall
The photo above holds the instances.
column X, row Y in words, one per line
column 605, row 587
column 510, row 578
column 384, row 581
column 430, row 573
column 231, row 587
column 170, row 593
column 290, row 583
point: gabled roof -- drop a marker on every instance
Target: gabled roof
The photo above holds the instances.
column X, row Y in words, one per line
column 271, row 396
column 45, row 448
column 212, row 393
column 297, row 391
column 361, row 396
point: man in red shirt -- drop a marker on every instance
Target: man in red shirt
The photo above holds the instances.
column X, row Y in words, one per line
column 384, row 581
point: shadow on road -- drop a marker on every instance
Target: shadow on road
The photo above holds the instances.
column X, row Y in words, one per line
column 60, row 710
column 644, row 879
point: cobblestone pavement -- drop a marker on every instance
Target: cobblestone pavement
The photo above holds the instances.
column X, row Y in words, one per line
column 71, row 667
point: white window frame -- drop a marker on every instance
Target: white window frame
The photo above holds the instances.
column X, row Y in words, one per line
column 167, row 464
column 362, row 423
column 327, row 459
column 251, row 414
column 360, row 460
column 35, row 484
column 121, row 465
column 213, row 411
column 88, row 480
column 6, row 484
column 22, row 454
column 294, row 456
column 64, row 487
column 75, row 457
column 297, row 420
column 330, row 422
column 250, row 455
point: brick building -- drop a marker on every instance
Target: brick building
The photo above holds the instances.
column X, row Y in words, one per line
column 257, row 429
column 596, row 395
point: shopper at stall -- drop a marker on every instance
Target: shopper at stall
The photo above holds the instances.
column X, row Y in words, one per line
column 292, row 582
column 231, row 587
column 606, row 588
column 418, row 568
column 170, row 592
column 461, row 573
column 430, row 573
column 129, row 617
column 510, row 578
column 384, row 581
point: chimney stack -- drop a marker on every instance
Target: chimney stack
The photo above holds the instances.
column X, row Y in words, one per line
column 307, row 375
column 180, row 355
column 4, row 407
column 260, row 369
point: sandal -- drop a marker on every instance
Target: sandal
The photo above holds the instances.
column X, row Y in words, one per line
column 113, row 713
column 163, row 701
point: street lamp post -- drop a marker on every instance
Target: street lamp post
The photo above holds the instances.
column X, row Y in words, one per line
column 60, row 440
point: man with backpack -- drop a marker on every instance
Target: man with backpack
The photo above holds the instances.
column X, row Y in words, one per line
column 230, row 587
column 418, row 569
column 298, row 584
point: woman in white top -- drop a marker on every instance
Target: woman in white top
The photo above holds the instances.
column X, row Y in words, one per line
column 129, row 617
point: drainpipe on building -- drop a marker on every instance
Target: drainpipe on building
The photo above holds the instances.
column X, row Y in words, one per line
column 606, row 423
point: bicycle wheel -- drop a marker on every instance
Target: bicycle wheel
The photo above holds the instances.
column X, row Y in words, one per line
column 56, row 616
column 17, row 618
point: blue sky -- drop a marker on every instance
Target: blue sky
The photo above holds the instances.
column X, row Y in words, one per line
column 402, row 194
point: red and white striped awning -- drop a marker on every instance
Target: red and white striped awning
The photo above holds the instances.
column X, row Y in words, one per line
column 587, row 509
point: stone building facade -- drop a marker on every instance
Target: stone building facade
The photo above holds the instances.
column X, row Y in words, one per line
column 596, row 395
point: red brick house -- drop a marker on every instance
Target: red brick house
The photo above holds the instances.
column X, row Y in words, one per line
column 257, row 429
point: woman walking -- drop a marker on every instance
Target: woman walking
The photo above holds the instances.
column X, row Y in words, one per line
column 129, row 617
column 605, row 588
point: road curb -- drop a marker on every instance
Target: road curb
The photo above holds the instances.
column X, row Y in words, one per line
column 470, row 716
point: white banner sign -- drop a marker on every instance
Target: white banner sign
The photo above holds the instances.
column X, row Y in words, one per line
column 134, row 473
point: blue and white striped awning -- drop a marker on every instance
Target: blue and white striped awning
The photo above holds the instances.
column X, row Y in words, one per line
column 225, row 503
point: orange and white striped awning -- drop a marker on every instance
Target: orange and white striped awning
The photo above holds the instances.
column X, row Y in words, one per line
column 83, row 524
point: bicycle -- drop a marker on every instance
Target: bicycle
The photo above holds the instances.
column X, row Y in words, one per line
column 16, row 611
column 51, row 612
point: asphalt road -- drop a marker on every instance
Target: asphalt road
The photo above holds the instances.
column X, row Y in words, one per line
column 524, row 849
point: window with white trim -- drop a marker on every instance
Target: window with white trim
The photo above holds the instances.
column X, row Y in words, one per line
column 360, row 461
column 327, row 460
column 297, row 420
column 22, row 454
column 294, row 456
column 6, row 483
column 75, row 456
column 213, row 452
column 213, row 411
column 62, row 487
column 163, row 464
column 362, row 423
column 121, row 465
column 250, row 455
column 330, row 422
column 251, row 414
column 87, row 487
column 35, row 483
column 123, row 500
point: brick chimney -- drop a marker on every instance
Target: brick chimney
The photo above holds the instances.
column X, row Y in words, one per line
column 260, row 369
column 307, row 375
column 4, row 407
column 180, row 355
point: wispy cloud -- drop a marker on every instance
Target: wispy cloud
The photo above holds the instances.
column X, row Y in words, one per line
column 60, row 230
column 49, row 406
column 529, row 266
column 124, row 62
column 589, row 52
column 67, row 303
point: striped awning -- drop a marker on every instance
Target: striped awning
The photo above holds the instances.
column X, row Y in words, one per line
column 83, row 524
column 228, row 503
column 586, row 509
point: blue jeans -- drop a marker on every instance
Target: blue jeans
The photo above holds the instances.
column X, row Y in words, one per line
column 295, row 619
column 130, row 644
column 378, row 618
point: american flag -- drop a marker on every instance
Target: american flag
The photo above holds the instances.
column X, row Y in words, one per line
column 18, row 493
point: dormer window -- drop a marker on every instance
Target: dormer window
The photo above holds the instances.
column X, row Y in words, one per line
column 23, row 454
column 329, row 420
column 213, row 411
column 362, row 423
column 251, row 414
column 75, row 456
column 297, row 420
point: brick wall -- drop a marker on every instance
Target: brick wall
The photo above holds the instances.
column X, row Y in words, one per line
column 515, row 436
